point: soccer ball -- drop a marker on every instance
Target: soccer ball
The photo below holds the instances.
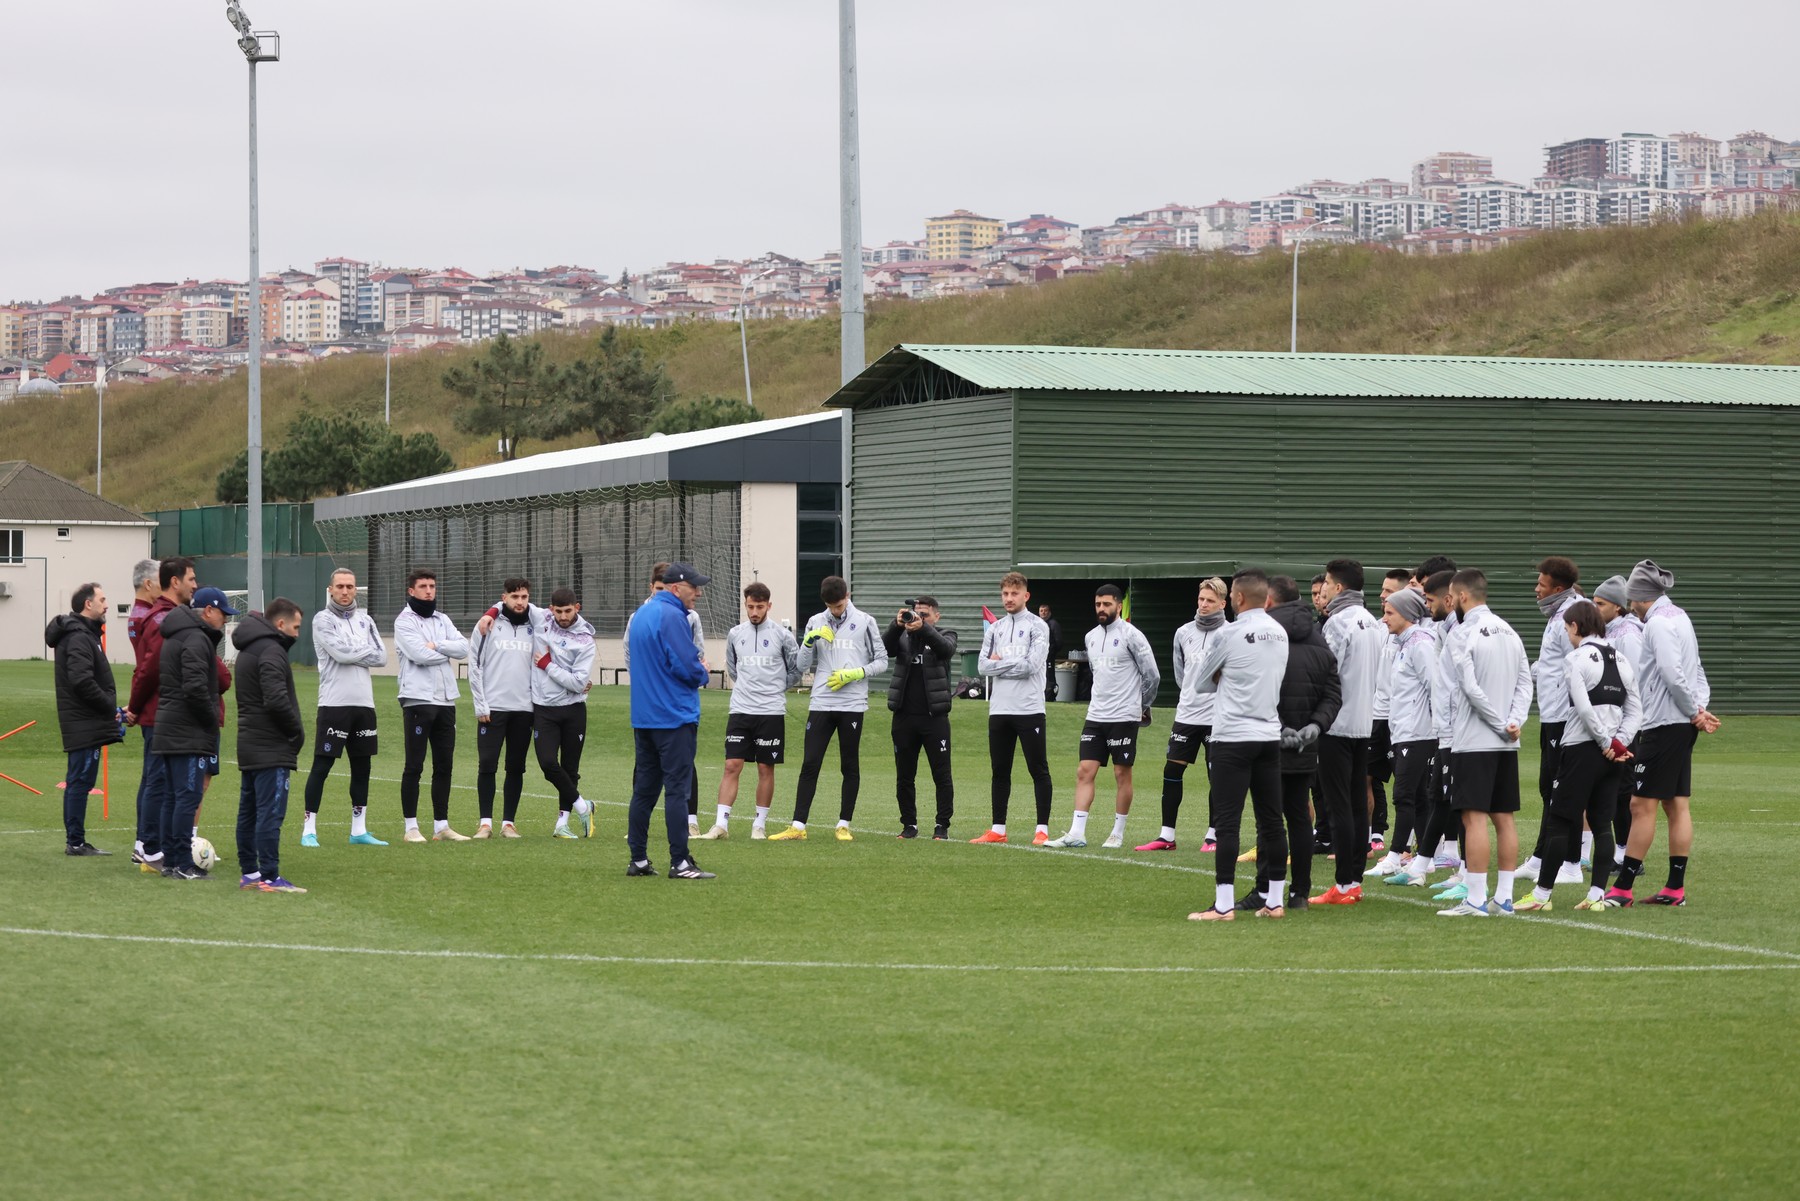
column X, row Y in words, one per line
column 583, row 806
column 205, row 858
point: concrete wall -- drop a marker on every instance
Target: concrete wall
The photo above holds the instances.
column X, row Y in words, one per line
column 53, row 568
column 769, row 529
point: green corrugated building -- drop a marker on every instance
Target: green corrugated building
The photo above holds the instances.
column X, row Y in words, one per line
column 1155, row 468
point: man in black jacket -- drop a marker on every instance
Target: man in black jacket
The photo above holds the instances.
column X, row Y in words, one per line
column 1310, row 698
column 270, row 735
column 187, row 721
column 919, row 695
column 87, row 706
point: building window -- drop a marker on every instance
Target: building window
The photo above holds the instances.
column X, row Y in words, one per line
column 12, row 546
column 62, row 533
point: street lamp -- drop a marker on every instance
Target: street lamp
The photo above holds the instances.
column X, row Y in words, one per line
column 100, row 369
column 744, row 338
column 257, row 47
column 387, row 391
column 1294, row 321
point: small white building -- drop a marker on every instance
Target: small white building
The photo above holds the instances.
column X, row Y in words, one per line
column 54, row 537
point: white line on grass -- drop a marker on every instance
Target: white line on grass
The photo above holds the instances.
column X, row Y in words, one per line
column 1071, row 969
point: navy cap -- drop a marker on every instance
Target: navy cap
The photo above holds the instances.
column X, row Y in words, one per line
column 684, row 573
column 214, row 598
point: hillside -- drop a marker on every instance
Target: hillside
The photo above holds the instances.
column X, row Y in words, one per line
column 1711, row 291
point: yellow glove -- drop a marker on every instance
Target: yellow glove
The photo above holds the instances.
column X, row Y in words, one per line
column 843, row 676
column 816, row 633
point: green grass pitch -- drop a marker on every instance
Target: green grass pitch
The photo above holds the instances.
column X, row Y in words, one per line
column 875, row 1019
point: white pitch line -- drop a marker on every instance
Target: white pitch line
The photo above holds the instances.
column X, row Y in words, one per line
column 1073, row 969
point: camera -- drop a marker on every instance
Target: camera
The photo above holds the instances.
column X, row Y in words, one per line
column 908, row 614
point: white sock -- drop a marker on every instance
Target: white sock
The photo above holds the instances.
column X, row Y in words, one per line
column 1541, row 893
column 310, row 826
column 252, row 875
column 1594, row 894
column 412, row 823
column 762, row 815
column 1000, row 830
column 1503, row 885
column 438, row 827
column 842, row 824
column 724, row 814
column 1224, row 898
column 359, row 820
column 1078, row 824
column 1118, row 825
column 1212, row 835
column 799, row 825
column 196, row 832
column 1040, row 829
column 487, row 823
column 1531, row 866
column 1277, row 894
column 562, row 819
column 1619, row 854
column 1357, row 887
column 1419, row 866
column 1168, row 833
column 1477, row 883
column 1587, row 844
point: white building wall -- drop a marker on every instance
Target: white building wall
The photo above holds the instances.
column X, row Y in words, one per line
column 769, row 535
column 54, row 567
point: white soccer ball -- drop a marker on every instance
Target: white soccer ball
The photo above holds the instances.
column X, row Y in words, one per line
column 583, row 806
column 205, row 858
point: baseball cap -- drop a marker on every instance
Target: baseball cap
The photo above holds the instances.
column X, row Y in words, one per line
column 214, row 598
column 679, row 573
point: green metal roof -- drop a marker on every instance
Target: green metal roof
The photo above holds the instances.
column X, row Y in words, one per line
column 908, row 374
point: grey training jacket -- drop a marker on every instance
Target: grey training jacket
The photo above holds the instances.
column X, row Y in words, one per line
column 763, row 662
column 1125, row 673
column 1016, row 679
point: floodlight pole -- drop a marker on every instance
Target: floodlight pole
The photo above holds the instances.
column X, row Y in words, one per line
column 387, row 391
column 254, row 51
column 850, row 272
column 99, row 418
column 1294, row 320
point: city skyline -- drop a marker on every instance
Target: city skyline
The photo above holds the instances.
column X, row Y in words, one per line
column 711, row 135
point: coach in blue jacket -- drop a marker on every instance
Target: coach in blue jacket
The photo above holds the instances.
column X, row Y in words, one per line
column 666, row 678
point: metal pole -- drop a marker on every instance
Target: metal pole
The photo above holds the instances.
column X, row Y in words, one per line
column 255, row 549
column 850, row 292
column 99, row 419
column 387, row 392
column 850, row 273
column 744, row 343
column 1294, row 319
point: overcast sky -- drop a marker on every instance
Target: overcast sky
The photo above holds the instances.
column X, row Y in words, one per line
column 492, row 133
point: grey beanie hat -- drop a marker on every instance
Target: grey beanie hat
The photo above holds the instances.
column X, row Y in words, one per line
column 1408, row 604
column 1648, row 581
column 1613, row 591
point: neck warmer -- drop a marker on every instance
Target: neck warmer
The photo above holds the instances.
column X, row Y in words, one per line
column 1550, row 604
column 1210, row 621
column 518, row 619
column 424, row 608
column 1344, row 600
column 342, row 611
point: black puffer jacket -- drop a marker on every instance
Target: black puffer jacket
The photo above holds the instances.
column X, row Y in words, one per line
column 934, row 647
column 87, row 698
column 187, row 698
column 270, row 732
column 1310, row 693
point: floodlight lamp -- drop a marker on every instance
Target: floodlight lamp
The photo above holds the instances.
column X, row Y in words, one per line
column 249, row 45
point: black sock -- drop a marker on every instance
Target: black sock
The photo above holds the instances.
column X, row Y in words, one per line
column 1677, row 872
column 1629, row 871
column 1171, row 796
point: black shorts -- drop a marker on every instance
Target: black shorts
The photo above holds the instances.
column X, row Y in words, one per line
column 210, row 763
column 1485, row 781
column 345, row 727
column 1187, row 744
column 755, row 738
column 1381, row 752
column 1586, row 782
column 1106, row 742
column 1664, row 768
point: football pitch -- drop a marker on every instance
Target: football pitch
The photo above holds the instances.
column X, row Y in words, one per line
column 869, row 1019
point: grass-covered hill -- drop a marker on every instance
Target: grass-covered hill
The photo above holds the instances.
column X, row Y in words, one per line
column 1713, row 291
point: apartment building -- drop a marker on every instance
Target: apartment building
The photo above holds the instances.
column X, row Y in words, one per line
column 960, row 235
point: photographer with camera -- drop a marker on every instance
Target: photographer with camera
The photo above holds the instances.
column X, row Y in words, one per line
column 919, row 695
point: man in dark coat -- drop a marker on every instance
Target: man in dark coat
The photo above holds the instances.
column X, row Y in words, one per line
column 187, row 721
column 919, row 694
column 270, row 735
column 176, row 578
column 1055, row 652
column 1310, row 698
column 87, row 706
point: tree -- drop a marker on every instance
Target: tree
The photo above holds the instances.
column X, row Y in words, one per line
column 391, row 458
column 513, row 393
column 233, row 487
column 616, row 390
column 318, row 457
column 701, row 413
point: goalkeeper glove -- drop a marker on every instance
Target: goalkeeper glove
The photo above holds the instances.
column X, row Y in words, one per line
column 816, row 633
column 843, row 676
